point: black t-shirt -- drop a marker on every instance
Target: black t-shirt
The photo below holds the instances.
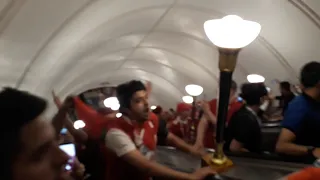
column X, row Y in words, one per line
column 244, row 127
column 162, row 132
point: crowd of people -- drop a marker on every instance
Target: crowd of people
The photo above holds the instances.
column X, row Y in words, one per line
column 111, row 147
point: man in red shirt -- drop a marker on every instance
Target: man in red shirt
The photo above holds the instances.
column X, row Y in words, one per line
column 181, row 125
column 206, row 127
column 131, row 140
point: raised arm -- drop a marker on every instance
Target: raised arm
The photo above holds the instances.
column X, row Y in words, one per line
column 122, row 145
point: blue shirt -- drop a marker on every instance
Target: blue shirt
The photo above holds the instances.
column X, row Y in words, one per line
column 302, row 117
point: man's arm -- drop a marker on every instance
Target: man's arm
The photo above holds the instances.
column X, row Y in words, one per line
column 122, row 145
column 183, row 146
column 236, row 146
column 78, row 134
column 201, row 129
column 291, row 123
column 166, row 137
column 285, row 144
column 60, row 117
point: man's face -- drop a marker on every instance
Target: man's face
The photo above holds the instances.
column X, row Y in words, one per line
column 139, row 105
column 40, row 157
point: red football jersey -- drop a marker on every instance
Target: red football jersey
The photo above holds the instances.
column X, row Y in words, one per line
column 144, row 138
column 209, row 139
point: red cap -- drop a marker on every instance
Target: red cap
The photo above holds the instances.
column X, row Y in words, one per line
column 181, row 107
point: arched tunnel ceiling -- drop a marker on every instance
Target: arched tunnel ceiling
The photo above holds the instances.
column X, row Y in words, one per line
column 74, row 45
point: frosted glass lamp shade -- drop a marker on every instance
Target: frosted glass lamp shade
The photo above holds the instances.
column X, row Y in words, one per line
column 231, row 31
column 111, row 101
column 78, row 124
column 118, row 115
column 194, row 90
column 255, row 78
column 115, row 107
column 187, row 99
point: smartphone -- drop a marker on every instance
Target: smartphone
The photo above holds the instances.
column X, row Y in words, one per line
column 239, row 99
column 70, row 150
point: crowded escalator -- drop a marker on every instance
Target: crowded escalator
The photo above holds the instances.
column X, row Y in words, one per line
column 249, row 126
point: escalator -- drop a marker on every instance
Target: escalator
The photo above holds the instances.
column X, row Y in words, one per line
column 246, row 167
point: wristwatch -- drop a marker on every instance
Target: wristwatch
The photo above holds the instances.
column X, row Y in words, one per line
column 310, row 150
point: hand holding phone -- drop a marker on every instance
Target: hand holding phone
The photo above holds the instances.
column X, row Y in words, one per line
column 70, row 150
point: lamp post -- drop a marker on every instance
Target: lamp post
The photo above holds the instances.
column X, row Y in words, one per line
column 193, row 90
column 230, row 34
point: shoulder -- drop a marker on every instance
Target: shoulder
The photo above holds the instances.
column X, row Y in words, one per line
column 298, row 103
column 243, row 115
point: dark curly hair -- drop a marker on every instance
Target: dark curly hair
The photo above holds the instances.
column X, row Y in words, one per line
column 252, row 93
column 125, row 92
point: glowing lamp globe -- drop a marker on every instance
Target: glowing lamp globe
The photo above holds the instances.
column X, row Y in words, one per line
column 115, row 107
column 118, row 115
column 78, row 124
column 187, row 99
column 231, row 31
column 153, row 107
column 255, row 78
column 109, row 102
column 194, row 90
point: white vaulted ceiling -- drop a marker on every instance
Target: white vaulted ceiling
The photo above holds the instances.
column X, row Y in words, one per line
column 75, row 45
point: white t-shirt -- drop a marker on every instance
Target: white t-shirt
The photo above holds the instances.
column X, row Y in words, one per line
column 119, row 142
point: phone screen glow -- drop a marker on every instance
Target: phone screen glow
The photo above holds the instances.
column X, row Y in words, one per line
column 69, row 149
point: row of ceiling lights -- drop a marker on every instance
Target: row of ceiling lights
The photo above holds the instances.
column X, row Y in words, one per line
column 221, row 33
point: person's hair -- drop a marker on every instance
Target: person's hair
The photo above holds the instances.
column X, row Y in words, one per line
column 285, row 85
column 310, row 74
column 125, row 92
column 17, row 109
column 158, row 110
column 252, row 93
column 234, row 85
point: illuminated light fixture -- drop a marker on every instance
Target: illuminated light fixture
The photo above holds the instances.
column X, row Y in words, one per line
column 110, row 101
column 78, row 124
column 153, row 107
column 115, row 107
column 194, row 90
column 231, row 31
column 230, row 34
column 255, row 78
column 187, row 99
column 118, row 115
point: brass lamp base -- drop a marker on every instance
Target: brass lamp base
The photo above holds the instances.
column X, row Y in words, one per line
column 218, row 161
column 216, row 164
